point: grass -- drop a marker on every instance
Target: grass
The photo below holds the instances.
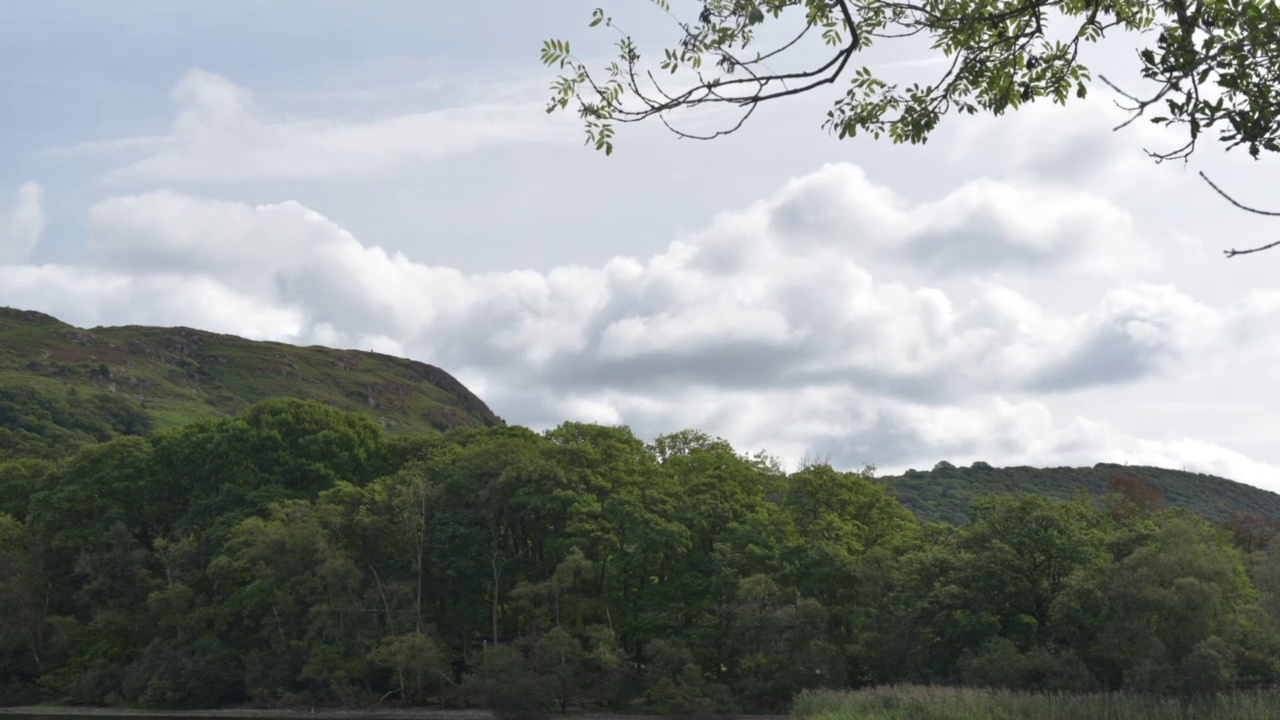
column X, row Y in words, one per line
column 908, row 702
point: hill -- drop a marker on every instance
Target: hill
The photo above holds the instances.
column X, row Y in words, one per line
column 62, row 387
column 943, row 494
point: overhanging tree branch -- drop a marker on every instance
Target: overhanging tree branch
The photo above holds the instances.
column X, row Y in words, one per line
column 1214, row 65
column 1268, row 213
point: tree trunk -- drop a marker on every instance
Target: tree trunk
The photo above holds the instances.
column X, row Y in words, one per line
column 497, row 577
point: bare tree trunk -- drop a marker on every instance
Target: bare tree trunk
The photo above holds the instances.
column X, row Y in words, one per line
column 417, row 604
column 279, row 627
column 386, row 607
column 497, row 578
column 419, row 541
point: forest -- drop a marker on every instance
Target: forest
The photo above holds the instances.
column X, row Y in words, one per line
column 296, row 554
column 944, row 493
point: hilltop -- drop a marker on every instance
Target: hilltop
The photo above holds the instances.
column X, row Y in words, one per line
column 943, row 494
column 62, row 387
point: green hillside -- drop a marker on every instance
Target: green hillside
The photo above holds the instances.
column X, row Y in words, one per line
column 63, row 387
column 943, row 494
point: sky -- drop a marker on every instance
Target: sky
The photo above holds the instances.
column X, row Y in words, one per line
column 1024, row 290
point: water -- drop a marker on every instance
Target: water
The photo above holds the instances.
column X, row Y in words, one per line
column 113, row 715
column 140, row 715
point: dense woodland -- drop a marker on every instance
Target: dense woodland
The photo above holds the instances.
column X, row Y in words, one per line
column 296, row 554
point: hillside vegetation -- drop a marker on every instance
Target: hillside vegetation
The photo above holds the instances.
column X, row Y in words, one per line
column 63, row 387
column 944, row 493
column 923, row 702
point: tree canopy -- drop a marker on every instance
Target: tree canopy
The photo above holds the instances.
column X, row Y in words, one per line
column 293, row 555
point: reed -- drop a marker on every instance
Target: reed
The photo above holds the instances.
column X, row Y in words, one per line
column 913, row 702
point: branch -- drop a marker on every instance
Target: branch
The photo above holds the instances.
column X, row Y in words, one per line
column 994, row 65
column 391, row 692
column 1237, row 203
column 1233, row 253
column 713, row 91
column 1267, row 213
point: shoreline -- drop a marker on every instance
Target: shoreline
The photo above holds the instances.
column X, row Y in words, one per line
column 322, row 713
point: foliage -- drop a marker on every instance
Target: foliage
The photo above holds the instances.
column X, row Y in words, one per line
column 940, row 703
column 1210, row 65
column 511, row 685
column 417, row 661
column 293, row 554
column 945, row 492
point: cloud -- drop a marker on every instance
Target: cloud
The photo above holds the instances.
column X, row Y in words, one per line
column 753, row 302
column 1024, row 433
column 1134, row 333
column 769, row 327
column 851, row 429
column 21, row 228
column 983, row 225
column 92, row 296
column 1072, row 145
column 220, row 134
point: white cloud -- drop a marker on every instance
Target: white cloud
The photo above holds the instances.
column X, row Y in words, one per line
column 1073, row 145
column 1026, row 433
column 90, row 296
column 768, row 327
column 21, row 228
column 983, row 225
column 220, row 134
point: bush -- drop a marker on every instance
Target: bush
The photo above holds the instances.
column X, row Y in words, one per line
column 676, row 685
column 169, row 677
column 93, row 683
column 510, row 687
column 999, row 664
column 1209, row 668
column 15, row 692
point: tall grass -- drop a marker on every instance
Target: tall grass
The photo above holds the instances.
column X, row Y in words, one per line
column 908, row 702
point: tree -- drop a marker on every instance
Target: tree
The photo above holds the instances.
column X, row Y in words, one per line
column 288, row 592
column 780, row 644
column 1170, row 606
column 18, row 480
column 417, row 661
column 22, row 603
column 1133, row 496
column 1252, row 532
column 1018, row 551
column 1211, row 65
column 510, row 685
column 675, row 685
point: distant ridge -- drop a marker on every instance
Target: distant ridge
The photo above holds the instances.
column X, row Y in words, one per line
column 62, row 386
column 944, row 493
